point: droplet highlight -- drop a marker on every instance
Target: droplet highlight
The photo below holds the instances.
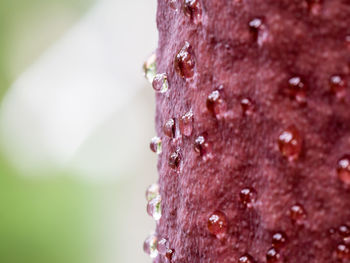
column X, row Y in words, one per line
column 258, row 30
column 279, row 239
column 338, row 86
column 169, row 128
column 216, row 104
column 290, row 143
column 174, row 160
column 160, row 83
column 343, row 251
column 248, row 106
column 152, row 192
column 156, row 145
column 297, row 213
column 248, row 196
column 272, row 256
column 184, row 62
column 154, row 208
column 246, row 259
column 217, row 224
column 297, row 90
column 343, row 169
column 186, row 123
column 192, row 9
column 202, row 146
column 150, row 246
column 150, row 68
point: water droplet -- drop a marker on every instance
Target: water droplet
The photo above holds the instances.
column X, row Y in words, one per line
column 343, row 251
column 272, row 255
column 248, row 196
column 279, row 239
column 217, row 224
column 343, row 169
column 297, row 90
column 152, row 192
column 154, row 208
column 150, row 246
column 290, row 143
column 184, row 62
column 338, row 86
column 160, row 83
column 163, row 246
column 258, row 30
column 156, row 145
column 150, row 68
column 169, row 254
column 314, row 6
column 186, row 123
column 215, row 104
column 255, row 24
column 297, row 213
column 201, row 146
column 169, row 128
column 192, row 9
column 344, row 232
column 247, row 106
column 174, row 160
column 246, row 259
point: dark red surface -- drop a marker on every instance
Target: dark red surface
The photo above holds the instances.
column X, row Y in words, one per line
column 297, row 38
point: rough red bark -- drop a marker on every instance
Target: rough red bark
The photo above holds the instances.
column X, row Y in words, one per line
column 251, row 59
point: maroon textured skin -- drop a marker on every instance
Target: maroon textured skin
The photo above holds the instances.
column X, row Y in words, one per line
column 294, row 41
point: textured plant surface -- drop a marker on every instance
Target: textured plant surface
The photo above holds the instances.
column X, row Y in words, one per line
column 255, row 131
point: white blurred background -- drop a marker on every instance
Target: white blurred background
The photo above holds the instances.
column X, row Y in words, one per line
column 76, row 106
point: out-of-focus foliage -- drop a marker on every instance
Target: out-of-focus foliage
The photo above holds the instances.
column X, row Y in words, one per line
column 42, row 218
column 28, row 27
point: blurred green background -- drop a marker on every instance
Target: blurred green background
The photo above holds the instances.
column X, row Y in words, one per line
column 52, row 214
column 40, row 218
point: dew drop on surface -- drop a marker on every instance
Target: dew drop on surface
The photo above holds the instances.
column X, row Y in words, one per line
column 217, row 224
column 247, row 106
column 248, row 196
column 163, row 246
column 150, row 246
column 150, row 68
column 338, row 86
column 174, row 160
column 156, row 145
column 201, row 146
column 154, row 208
column 297, row 90
column 215, row 104
column 314, row 6
column 169, row 254
column 279, row 239
column 344, row 232
column 160, row 83
column 272, row 255
column 258, row 30
column 186, row 123
column 343, row 169
column 152, row 192
column 192, row 8
column 290, row 143
column 343, row 251
column 246, row 259
column 297, row 213
column 184, row 62
column 169, row 128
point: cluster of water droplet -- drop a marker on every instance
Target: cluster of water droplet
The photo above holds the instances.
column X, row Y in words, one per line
column 289, row 141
